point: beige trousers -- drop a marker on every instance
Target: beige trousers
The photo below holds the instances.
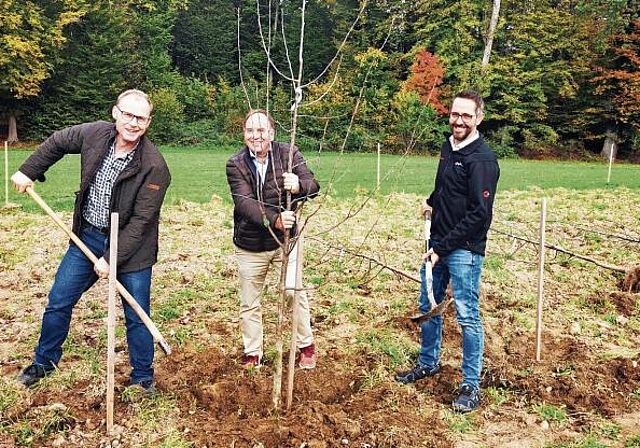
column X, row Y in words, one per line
column 252, row 272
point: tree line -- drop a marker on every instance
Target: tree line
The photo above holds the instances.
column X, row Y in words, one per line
column 560, row 78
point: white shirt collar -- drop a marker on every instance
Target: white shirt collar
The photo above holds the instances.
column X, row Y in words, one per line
column 465, row 142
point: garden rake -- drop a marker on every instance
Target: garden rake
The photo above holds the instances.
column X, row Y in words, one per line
column 436, row 309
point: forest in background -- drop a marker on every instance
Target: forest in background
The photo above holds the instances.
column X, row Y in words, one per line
column 560, row 78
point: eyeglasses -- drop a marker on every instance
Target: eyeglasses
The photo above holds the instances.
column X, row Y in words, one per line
column 466, row 118
column 128, row 117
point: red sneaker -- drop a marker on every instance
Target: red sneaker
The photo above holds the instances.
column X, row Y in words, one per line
column 307, row 359
column 250, row 362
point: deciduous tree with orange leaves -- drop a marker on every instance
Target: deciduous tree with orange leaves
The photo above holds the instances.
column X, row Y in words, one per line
column 425, row 76
column 621, row 80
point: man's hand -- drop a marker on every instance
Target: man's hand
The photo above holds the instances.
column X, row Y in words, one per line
column 286, row 220
column 291, row 182
column 424, row 208
column 430, row 256
column 101, row 268
column 21, row 182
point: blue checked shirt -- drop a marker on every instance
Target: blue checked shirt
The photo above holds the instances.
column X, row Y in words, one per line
column 96, row 210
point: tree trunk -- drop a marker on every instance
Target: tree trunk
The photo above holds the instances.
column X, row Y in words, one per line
column 12, row 136
column 495, row 15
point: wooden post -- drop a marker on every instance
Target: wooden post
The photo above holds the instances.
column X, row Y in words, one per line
column 610, row 162
column 543, row 217
column 6, row 173
column 7, row 204
column 294, row 319
column 378, row 170
column 111, row 319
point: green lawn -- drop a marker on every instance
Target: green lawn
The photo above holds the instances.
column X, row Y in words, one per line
column 199, row 173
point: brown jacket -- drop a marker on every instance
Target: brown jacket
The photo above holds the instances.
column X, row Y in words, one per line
column 137, row 193
column 257, row 208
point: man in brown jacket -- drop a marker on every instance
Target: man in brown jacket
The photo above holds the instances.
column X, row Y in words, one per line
column 123, row 172
column 258, row 178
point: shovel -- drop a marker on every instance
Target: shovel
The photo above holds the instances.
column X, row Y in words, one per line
column 435, row 308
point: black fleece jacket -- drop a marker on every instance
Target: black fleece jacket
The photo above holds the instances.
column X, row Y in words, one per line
column 462, row 200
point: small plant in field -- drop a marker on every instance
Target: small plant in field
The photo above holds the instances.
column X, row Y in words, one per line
column 525, row 372
column 460, row 423
column 498, row 396
column 168, row 312
column 611, row 318
column 551, row 413
column 373, row 377
column 633, row 442
column 174, row 440
column 8, row 397
column 24, row 434
column 565, row 370
column 588, row 442
column 316, row 280
column 610, row 430
column 387, row 343
column 523, row 319
column 181, row 335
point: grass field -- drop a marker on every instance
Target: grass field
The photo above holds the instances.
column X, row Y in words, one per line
column 362, row 254
column 199, row 172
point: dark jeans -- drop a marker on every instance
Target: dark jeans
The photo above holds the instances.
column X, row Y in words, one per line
column 75, row 275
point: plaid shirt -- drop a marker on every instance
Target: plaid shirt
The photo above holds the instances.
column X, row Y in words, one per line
column 96, row 210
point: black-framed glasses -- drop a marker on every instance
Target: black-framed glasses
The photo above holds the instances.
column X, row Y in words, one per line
column 128, row 117
column 466, row 118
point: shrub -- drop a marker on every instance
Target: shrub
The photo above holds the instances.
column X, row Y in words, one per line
column 168, row 116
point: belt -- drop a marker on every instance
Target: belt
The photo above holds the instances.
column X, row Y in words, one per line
column 87, row 225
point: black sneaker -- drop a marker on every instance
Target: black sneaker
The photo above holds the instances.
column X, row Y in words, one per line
column 468, row 400
column 148, row 386
column 417, row 373
column 34, row 373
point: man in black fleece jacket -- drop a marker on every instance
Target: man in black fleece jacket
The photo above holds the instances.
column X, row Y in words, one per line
column 461, row 205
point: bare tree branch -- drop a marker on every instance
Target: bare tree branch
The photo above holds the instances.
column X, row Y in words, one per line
column 567, row 252
column 366, row 257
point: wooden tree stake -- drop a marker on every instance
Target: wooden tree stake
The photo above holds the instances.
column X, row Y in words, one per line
column 295, row 311
column 111, row 319
column 543, row 217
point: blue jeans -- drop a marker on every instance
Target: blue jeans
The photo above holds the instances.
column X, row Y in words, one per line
column 75, row 275
column 463, row 268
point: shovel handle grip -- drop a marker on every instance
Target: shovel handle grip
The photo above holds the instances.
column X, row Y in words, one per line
column 427, row 229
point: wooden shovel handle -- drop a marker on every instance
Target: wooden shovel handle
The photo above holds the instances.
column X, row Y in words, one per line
column 121, row 289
